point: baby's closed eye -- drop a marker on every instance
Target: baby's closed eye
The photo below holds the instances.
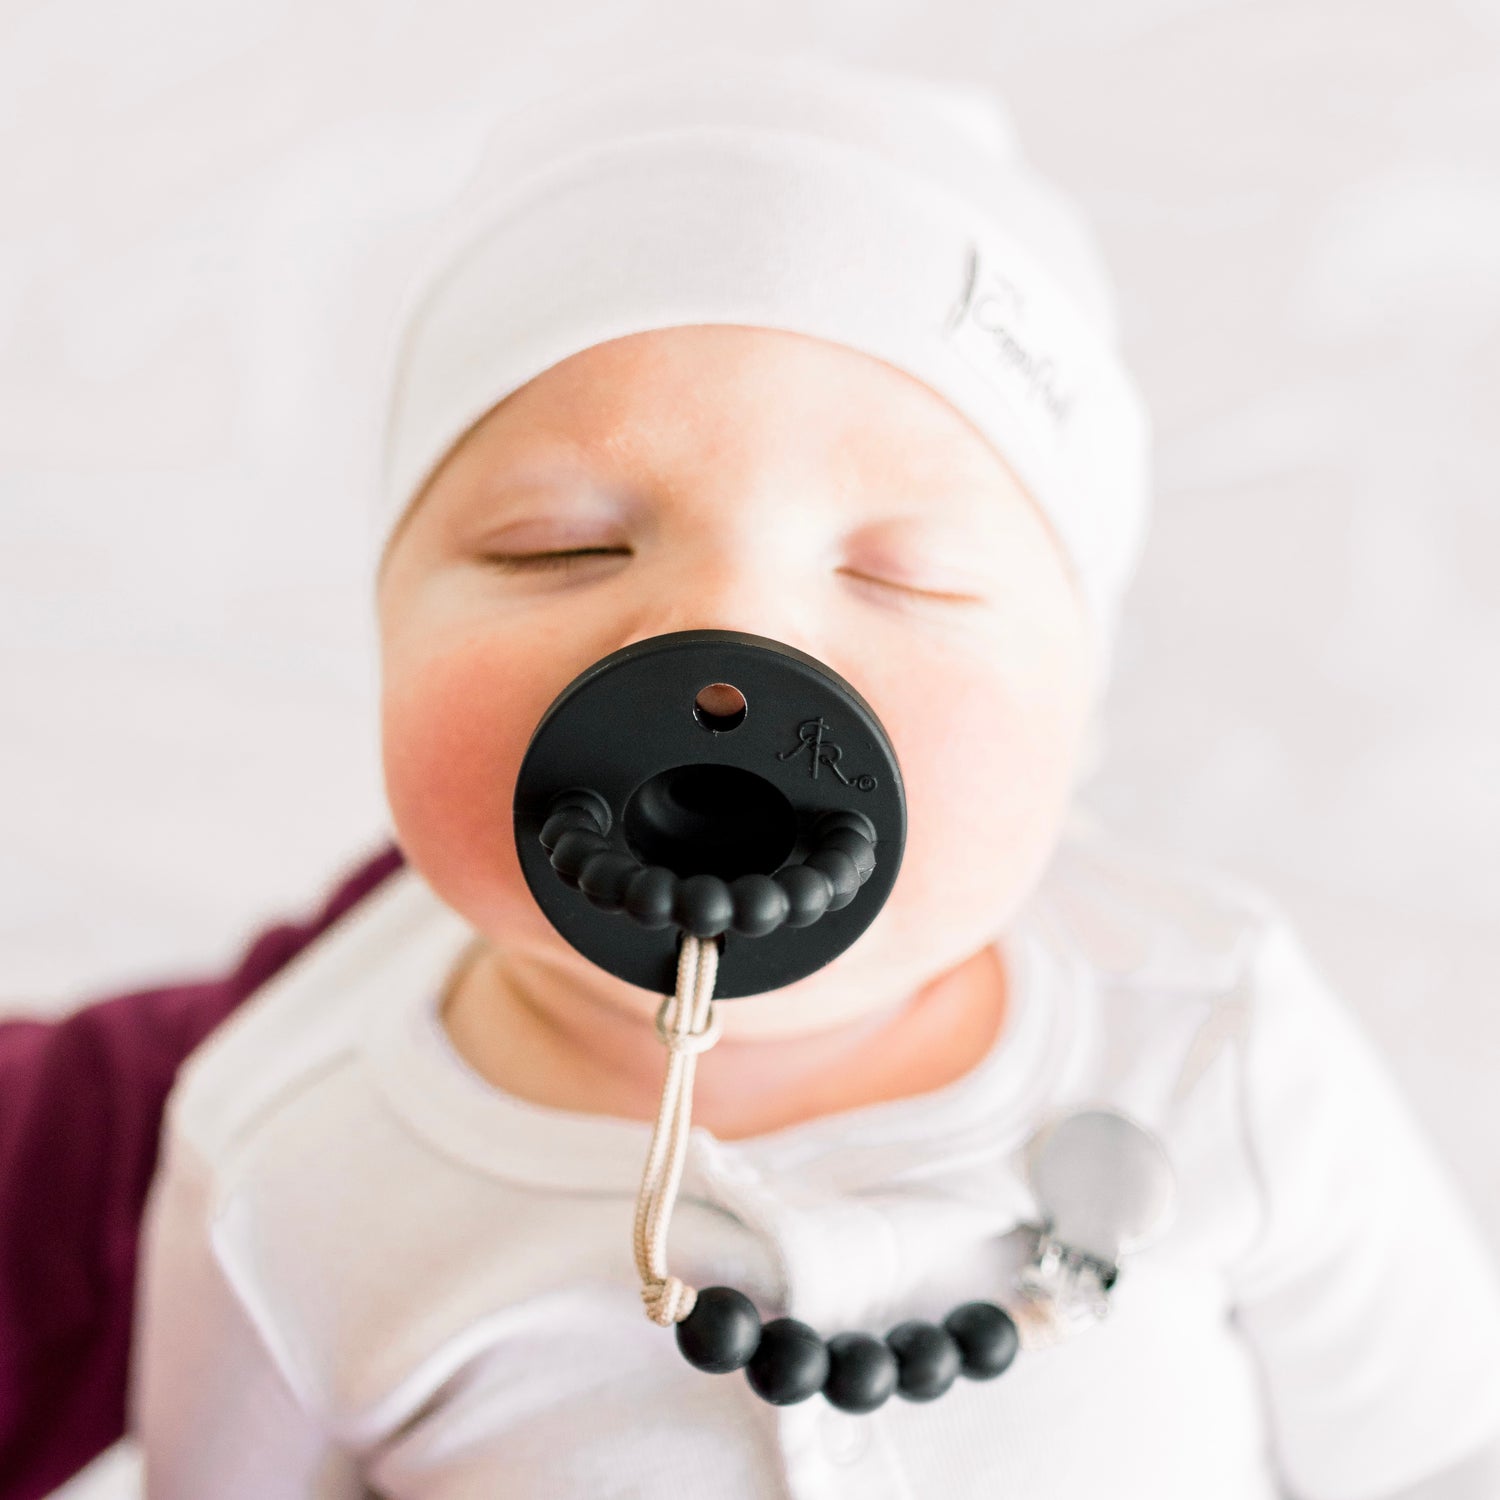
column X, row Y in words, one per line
column 543, row 561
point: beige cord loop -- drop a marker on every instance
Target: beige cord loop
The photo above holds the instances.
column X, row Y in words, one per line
column 687, row 1024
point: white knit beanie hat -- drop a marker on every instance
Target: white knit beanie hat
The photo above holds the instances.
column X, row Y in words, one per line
column 885, row 212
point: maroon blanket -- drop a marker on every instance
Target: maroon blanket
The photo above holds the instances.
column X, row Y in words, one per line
column 80, row 1111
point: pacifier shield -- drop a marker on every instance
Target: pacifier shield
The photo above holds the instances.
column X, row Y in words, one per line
column 714, row 782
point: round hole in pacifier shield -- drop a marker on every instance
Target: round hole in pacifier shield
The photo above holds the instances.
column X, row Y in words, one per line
column 720, row 706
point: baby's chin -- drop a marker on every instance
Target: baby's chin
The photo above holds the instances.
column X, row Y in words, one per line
column 787, row 1015
column 831, row 999
column 858, row 989
column 504, row 913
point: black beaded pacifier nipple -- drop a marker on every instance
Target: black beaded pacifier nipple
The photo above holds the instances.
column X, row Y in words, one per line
column 709, row 814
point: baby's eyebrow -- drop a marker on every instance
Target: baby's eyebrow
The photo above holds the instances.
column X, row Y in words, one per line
column 508, row 482
column 935, row 519
column 868, row 507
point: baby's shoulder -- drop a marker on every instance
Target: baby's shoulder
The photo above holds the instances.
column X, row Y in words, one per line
column 1194, row 966
column 1155, row 921
column 355, row 1238
column 295, row 1037
column 1192, row 971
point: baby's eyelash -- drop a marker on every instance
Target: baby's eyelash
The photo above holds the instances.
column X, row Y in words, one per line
column 539, row 560
column 902, row 588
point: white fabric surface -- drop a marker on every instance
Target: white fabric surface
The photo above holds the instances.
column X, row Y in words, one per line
column 367, row 1267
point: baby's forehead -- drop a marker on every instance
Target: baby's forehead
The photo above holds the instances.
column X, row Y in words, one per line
column 739, row 397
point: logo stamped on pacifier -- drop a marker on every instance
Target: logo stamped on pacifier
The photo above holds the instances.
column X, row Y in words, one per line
column 824, row 752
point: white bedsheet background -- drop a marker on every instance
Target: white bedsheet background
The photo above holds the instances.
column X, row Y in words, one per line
column 204, row 215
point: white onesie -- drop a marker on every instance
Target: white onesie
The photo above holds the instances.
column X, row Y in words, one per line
column 369, row 1271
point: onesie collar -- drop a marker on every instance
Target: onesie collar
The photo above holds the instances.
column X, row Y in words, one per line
column 984, row 1113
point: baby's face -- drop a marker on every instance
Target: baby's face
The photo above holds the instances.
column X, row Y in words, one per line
column 748, row 479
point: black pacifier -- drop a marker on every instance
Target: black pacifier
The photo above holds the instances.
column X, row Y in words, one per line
column 714, row 783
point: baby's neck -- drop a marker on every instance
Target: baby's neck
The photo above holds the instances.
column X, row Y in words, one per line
column 598, row 1059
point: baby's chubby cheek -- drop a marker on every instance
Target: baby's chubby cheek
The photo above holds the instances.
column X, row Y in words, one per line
column 987, row 763
column 456, row 718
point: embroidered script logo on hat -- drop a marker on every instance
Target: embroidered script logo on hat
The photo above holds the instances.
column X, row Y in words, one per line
column 989, row 324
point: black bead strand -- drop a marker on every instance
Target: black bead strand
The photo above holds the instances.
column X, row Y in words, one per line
column 785, row 1361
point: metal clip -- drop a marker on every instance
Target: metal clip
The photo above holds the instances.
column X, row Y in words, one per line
column 1105, row 1187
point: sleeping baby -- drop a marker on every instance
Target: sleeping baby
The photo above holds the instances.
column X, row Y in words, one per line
column 806, row 351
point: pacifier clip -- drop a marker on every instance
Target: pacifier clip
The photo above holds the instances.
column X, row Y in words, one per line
column 785, row 1360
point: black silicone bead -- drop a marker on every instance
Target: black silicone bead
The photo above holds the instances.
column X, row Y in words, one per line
column 841, row 871
column 604, row 877
column 649, row 896
column 928, row 1357
column 789, row 1364
column 590, row 801
column 721, row 1332
column 703, row 905
column 862, row 1372
column 562, row 820
column 855, row 845
column 573, row 849
column 986, row 1337
column 760, row 905
column 809, row 893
